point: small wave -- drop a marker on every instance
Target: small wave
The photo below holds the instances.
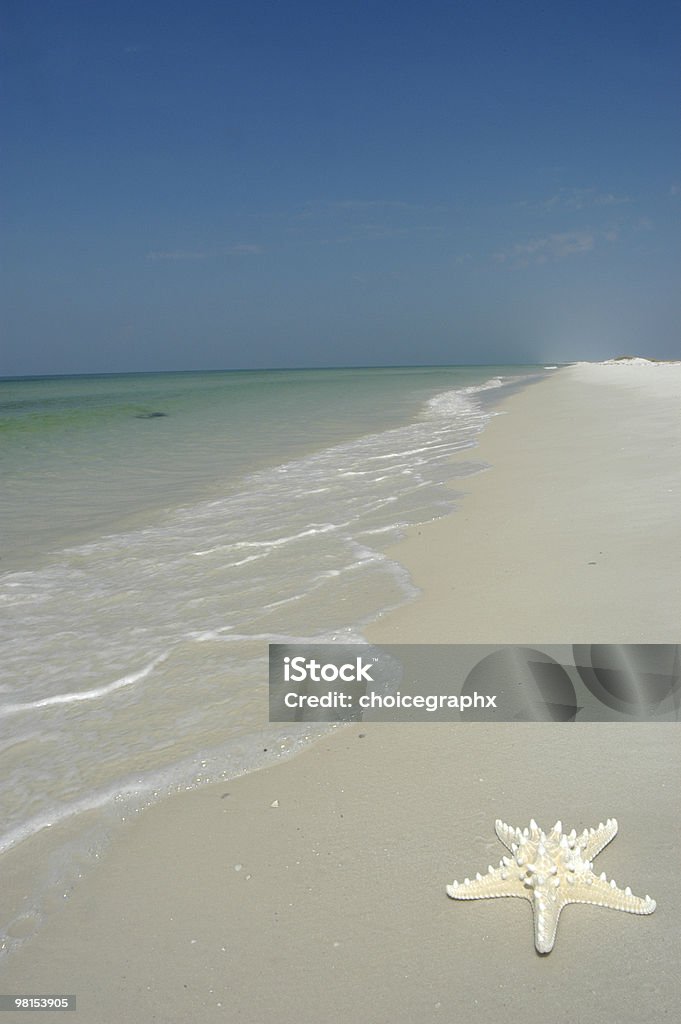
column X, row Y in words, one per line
column 72, row 698
column 225, row 762
column 277, row 542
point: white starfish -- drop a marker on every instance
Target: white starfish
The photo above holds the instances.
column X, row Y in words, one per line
column 551, row 870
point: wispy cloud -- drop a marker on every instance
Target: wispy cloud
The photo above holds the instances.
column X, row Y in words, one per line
column 244, row 250
column 675, row 188
column 324, row 207
column 175, row 254
column 575, row 199
column 644, row 224
column 549, row 248
column 335, row 221
column 380, row 232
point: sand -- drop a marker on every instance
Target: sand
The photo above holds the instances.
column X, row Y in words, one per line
column 573, row 535
column 330, row 905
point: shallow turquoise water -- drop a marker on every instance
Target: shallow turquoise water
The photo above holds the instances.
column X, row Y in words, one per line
column 81, row 455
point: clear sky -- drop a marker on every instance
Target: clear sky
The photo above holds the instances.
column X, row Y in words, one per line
column 204, row 184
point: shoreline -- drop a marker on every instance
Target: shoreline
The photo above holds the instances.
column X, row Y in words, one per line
column 314, row 889
column 284, row 552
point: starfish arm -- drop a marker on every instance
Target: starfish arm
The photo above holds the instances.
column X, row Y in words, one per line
column 593, row 840
column 546, row 914
column 603, row 893
column 509, row 836
column 497, row 882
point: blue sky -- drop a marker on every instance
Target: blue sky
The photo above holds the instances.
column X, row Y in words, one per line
column 220, row 184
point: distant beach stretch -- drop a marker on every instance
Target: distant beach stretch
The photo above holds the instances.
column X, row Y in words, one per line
column 501, row 504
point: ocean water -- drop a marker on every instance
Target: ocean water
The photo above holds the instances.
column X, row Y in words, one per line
column 158, row 531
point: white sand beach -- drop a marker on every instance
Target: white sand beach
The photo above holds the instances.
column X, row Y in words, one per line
column 574, row 533
column 315, row 890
